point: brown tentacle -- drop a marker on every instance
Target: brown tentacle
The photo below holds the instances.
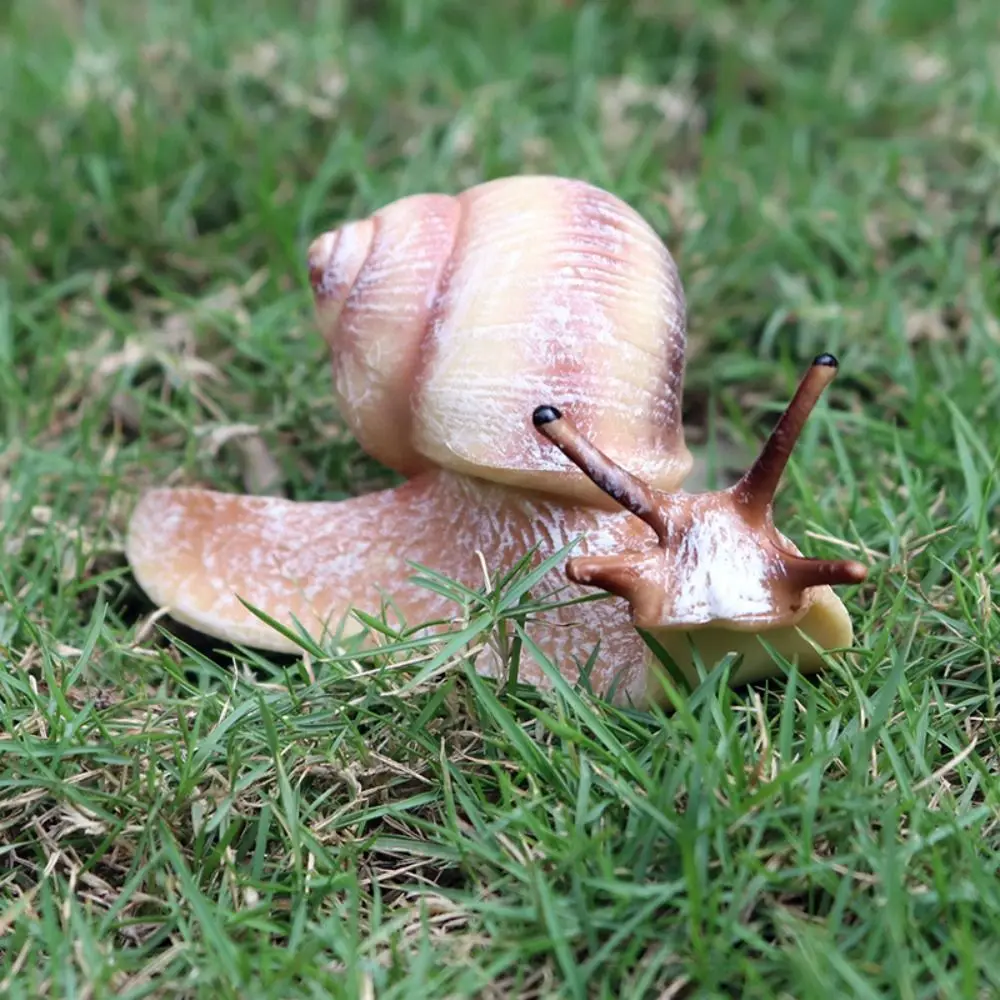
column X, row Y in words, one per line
column 610, row 573
column 632, row 493
column 804, row 572
column 755, row 491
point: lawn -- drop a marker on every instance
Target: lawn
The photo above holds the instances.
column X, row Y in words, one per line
column 180, row 820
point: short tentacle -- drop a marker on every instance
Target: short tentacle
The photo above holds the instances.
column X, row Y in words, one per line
column 610, row 573
column 804, row 572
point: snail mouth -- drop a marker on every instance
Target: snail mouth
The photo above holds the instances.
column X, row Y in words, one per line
column 822, row 627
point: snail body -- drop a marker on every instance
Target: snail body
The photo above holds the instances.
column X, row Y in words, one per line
column 517, row 353
column 312, row 562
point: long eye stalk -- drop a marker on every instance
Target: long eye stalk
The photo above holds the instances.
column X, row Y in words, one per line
column 632, row 493
column 757, row 487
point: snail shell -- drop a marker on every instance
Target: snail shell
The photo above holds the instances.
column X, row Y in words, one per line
column 448, row 318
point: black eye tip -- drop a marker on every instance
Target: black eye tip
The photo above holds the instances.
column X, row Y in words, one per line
column 826, row 360
column 545, row 415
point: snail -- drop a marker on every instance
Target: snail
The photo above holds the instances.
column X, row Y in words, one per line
column 516, row 353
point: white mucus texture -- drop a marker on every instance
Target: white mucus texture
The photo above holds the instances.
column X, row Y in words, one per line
column 720, row 572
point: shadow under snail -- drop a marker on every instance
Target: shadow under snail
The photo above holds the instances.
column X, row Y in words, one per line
column 516, row 353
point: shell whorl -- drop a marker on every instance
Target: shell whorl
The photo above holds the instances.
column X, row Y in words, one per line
column 449, row 318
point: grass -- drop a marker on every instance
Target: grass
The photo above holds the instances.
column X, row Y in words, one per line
column 177, row 821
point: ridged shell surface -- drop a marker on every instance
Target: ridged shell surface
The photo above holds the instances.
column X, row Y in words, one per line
column 451, row 318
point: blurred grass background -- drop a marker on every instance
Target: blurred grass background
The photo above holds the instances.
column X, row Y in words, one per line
column 180, row 822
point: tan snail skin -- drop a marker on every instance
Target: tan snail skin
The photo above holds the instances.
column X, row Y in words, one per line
column 450, row 321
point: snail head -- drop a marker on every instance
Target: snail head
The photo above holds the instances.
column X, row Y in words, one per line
column 713, row 558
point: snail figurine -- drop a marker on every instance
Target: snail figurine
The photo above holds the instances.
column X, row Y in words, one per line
column 516, row 353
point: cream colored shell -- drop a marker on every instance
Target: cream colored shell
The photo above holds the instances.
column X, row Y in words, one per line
column 449, row 318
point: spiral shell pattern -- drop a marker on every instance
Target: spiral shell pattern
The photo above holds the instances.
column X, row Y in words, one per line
column 450, row 318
